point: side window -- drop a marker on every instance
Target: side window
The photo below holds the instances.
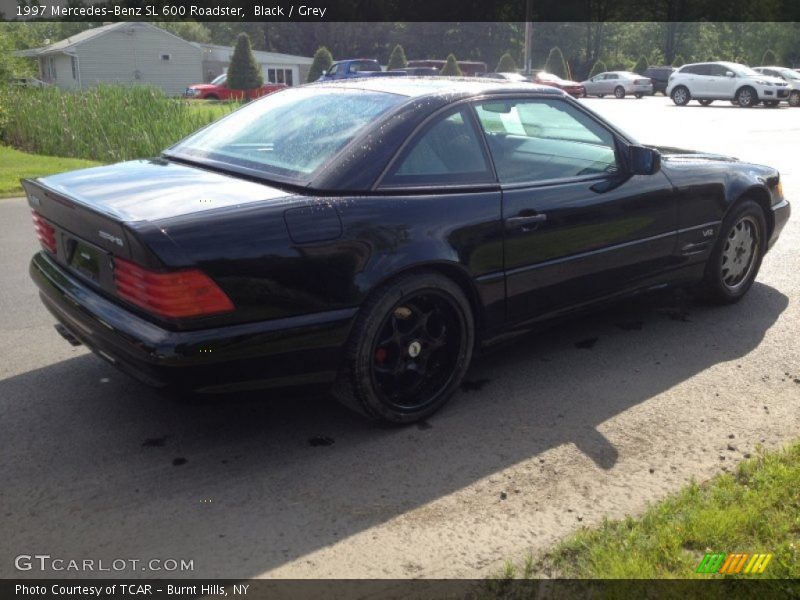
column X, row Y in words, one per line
column 535, row 140
column 334, row 69
column 717, row 70
column 448, row 152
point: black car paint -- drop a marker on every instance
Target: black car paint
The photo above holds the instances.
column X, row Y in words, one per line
column 298, row 261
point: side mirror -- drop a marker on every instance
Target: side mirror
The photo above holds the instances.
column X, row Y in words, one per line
column 729, row 74
column 323, row 73
column 643, row 160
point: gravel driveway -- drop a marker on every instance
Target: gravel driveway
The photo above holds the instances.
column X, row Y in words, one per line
column 598, row 416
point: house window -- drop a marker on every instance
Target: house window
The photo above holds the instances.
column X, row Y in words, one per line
column 166, row 57
column 51, row 69
column 280, row 76
column 74, row 60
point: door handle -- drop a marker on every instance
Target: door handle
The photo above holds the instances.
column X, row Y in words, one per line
column 525, row 221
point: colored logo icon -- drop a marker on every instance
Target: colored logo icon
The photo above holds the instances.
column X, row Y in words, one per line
column 731, row 564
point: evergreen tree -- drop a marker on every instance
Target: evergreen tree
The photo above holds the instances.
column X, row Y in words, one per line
column 555, row 63
column 678, row 62
column 451, row 69
column 244, row 73
column 641, row 65
column 769, row 59
column 322, row 62
column 598, row 67
column 398, row 59
column 506, row 64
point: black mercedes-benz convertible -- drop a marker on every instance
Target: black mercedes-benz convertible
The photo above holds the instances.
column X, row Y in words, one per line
column 371, row 234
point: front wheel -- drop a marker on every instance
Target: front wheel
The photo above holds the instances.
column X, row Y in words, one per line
column 681, row 96
column 794, row 98
column 409, row 349
column 619, row 92
column 746, row 97
column 736, row 258
column 705, row 102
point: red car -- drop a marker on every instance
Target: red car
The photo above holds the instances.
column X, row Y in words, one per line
column 219, row 90
column 573, row 88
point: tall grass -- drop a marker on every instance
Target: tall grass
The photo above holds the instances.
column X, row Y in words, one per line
column 107, row 123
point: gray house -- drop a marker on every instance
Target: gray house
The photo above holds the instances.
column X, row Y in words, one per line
column 141, row 53
column 124, row 52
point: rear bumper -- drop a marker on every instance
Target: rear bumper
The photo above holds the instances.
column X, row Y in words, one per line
column 280, row 352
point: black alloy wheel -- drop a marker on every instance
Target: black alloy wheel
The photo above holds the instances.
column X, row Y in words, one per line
column 409, row 349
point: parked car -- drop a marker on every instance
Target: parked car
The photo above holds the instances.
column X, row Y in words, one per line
column 371, row 234
column 573, row 88
column 348, row 69
column 790, row 76
column 218, row 90
column 516, row 77
column 619, row 83
column 706, row 82
column 660, row 77
column 418, row 71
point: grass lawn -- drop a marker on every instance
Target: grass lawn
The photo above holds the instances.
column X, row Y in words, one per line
column 755, row 510
column 16, row 165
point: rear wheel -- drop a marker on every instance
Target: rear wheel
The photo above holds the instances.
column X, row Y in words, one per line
column 771, row 103
column 737, row 255
column 619, row 92
column 746, row 97
column 409, row 349
column 638, row 95
column 601, row 95
column 681, row 96
column 794, row 98
column 705, row 102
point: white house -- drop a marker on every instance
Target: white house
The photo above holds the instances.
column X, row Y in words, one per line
column 141, row 53
column 277, row 68
column 124, row 52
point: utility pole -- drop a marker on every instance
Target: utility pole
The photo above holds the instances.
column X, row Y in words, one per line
column 528, row 36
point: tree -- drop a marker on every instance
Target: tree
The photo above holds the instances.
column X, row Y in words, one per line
column 398, row 59
column 506, row 64
column 769, row 58
column 555, row 63
column 451, row 68
column 322, row 62
column 641, row 66
column 599, row 67
column 244, row 73
column 678, row 62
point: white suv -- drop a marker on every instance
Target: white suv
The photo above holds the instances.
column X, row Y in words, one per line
column 706, row 82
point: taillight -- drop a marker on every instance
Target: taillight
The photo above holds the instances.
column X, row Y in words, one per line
column 176, row 294
column 45, row 232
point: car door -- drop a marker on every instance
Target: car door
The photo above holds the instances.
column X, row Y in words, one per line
column 717, row 82
column 700, row 81
column 577, row 226
column 610, row 81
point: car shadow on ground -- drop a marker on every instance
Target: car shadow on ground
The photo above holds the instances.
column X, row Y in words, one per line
column 97, row 465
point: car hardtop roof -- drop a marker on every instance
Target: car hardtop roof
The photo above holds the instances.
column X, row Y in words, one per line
column 414, row 87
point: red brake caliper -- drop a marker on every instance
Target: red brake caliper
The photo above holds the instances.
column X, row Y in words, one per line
column 380, row 356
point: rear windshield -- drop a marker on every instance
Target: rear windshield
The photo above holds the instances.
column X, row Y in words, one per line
column 288, row 134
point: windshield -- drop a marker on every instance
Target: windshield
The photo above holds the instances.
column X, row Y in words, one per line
column 789, row 74
column 220, row 80
column 364, row 65
column 742, row 70
column 290, row 133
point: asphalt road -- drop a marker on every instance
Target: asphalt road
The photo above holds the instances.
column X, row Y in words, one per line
column 546, row 437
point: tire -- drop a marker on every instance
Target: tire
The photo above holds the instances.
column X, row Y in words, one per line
column 619, row 92
column 735, row 102
column 771, row 103
column 705, row 102
column 681, row 96
column 601, row 95
column 211, row 97
column 794, row 98
column 746, row 97
column 736, row 257
column 409, row 349
column 638, row 96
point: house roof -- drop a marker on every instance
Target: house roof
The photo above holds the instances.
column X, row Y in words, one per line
column 261, row 55
column 69, row 43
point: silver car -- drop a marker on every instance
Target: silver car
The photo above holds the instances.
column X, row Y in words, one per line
column 619, row 83
column 790, row 76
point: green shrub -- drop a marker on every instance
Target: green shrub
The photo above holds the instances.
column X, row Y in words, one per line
column 641, row 66
column 678, row 62
column 107, row 123
column 598, row 67
column 451, row 67
column 398, row 59
column 769, row 59
column 555, row 63
column 506, row 64
column 244, row 73
column 322, row 62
